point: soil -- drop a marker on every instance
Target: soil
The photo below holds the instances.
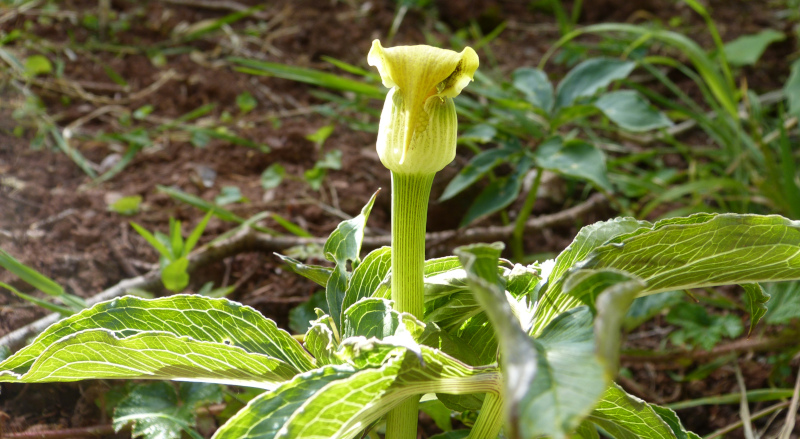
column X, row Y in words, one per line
column 54, row 219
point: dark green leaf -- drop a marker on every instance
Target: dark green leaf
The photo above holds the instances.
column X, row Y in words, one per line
column 574, row 158
column 300, row 317
column 536, row 86
column 792, row 89
column 784, row 302
column 317, row 273
column 747, row 49
column 590, row 76
column 477, row 167
column 631, row 111
column 755, row 300
column 499, row 194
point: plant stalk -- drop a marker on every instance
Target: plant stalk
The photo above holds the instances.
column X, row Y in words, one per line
column 410, row 195
column 522, row 217
column 490, row 419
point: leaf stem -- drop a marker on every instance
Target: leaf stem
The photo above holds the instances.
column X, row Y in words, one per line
column 410, row 195
column 490, row 419
column 522, row 218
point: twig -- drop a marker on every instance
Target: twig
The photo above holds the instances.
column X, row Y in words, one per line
column 788, row 427
column 247, row 240
column 744, row 407
column 785, row 338
column 67, row 433
column 757, row 415
column 217, row 5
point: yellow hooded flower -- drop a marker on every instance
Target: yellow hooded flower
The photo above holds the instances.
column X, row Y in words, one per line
column 418, row 128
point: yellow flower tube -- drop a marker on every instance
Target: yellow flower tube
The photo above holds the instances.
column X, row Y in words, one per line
column 416, row 139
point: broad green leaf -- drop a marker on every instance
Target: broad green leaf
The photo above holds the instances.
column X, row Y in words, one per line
column 625, row 416
column 157, row 411
column 368, row 276
column 686, row 253
column 321, row 341
column 344, row 244
column 574, row 158
column 669, row 416
column 612, row 305
column 784, row 302
column 317, row 273
column 631, row 111
column 586, row 431
column 437, row 411
column 792, row 89
column 755, row 300
column 481, row 133
column 536, row 86
column 301, row 316
column 498, row 194
column 551, row 382
column 339, row 402
column 478, row 334
column 201, row 318
column 174, row 275
column 335, row 291
column 747, row 49
column 265, row 415
column 100, row 354
column 477, row 167
column 372, row 317
column 589, row 77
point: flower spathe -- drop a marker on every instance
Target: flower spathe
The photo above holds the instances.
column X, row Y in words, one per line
column 418, row 127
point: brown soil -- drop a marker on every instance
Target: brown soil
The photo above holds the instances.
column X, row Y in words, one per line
column 53, row 219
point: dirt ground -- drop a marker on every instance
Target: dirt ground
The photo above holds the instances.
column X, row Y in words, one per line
column 54, row 219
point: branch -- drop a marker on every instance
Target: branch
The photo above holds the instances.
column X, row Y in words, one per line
column 247, row 240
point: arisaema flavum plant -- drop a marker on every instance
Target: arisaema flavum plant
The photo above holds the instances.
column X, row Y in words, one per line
column 526, row 351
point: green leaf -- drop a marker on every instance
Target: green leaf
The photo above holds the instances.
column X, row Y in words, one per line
column 792, row 89
column 64, row 311
column 373, row 317
column 194, row 237
column 551, row 382
column 575, row 158
column 36, row 65
column 344, row 244
column 154, row 412
column 631, row 111
column 321, row 341
column 339, row 401
column 784, row 302
column 368, row 276
column 331, row 160
column 30, row 276
column 321, row 135
column 480, row 133
column 317, row 273
column 126, row 205
column 246, row 102
column 684, row 253
column 272, row 176
column 437, row 411
column 162, row 249
column 589, row 77
column 230, row 195
column 755, row 300
column 100, row 354
column 625, row 416
column 477, row 167
column 300, row 317
column 203, row 319
column 499, row 194
column 535, row 85
column 747, row 49
column 174, row 275
column 309, row 76
column 699, row 328
column 647, row 307
column 669, row 416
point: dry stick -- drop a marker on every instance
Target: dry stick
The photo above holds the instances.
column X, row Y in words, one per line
column 93, row 431
column 247, row 240
column 785, row 338
column 791, row 416
column 757, row 415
